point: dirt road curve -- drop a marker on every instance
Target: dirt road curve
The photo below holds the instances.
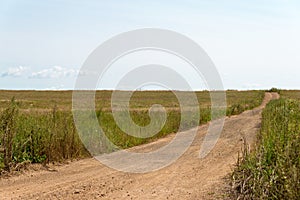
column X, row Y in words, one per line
column 188, row 178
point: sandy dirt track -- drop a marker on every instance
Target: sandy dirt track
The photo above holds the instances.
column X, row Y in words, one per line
column 188, row 178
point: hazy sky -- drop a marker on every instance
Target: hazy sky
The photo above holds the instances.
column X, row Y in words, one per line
column 254, row 44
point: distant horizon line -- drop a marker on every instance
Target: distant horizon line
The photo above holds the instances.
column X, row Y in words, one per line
column 143, row 90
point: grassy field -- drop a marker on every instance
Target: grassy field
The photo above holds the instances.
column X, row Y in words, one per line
column 38, row 127
column 47, row 100
column 290, row 94
column 272, row 171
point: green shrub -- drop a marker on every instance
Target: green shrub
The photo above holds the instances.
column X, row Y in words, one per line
column 274, row 90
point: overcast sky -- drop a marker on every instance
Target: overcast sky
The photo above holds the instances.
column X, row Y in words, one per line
column 254, row 44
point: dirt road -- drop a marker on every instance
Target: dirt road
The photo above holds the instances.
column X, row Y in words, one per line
column 188, row 178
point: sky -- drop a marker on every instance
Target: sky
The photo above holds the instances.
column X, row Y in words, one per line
column 253, row 44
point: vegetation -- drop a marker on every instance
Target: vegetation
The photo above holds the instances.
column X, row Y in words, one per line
column 274, row 90
column 46, row 100
column 290, row 94
column 239, row 101
column 272, row 171
column 37, row 137
column 38, row 127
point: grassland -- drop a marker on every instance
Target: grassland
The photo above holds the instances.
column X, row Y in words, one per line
column 38, row 127
column 290, row 94
column 47, row 100
column 272, row 171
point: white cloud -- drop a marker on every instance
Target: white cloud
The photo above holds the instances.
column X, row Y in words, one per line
column 54, row 72
column 14, row 72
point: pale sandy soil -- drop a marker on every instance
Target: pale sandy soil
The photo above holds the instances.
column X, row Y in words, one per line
column 188, row 178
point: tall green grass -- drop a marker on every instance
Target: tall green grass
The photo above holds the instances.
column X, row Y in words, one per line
column 37, row 137
column 172, row 125
column 272, row 171
column 31, row 134
column 7, row 134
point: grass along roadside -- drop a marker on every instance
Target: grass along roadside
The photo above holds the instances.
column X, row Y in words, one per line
column 31, row 134
column 37, row 138
column 272, row 171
